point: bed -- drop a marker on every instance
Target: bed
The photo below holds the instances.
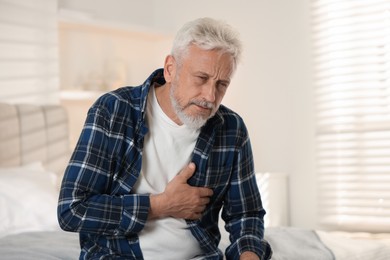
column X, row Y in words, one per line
column 34, row 150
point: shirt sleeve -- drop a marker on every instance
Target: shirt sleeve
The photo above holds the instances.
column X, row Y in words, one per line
column 85, row 203
column 243, row 212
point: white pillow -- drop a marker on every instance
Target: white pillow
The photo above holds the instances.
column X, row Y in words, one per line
column 28, row 200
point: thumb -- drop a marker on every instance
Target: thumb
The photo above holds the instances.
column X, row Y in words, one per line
column 188, row 171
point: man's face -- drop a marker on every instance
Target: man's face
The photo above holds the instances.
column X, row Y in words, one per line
column 199, row 84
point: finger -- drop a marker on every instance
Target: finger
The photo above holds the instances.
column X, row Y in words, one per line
column 205, row 200
column 205, row 192
column 200, row 205
column 198, row 208
column 195, row 216
column 188, row 171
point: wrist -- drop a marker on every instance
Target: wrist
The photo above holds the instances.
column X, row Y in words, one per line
column 248, row 255
column 156, row 209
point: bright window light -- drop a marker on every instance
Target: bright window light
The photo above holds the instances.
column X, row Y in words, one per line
column 351, row 40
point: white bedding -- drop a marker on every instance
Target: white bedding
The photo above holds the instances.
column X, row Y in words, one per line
column 357, row 246
column 28, row 199
column 44, row 245
column 287, row 244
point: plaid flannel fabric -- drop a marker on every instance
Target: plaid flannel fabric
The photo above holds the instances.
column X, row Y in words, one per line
column 96, row 196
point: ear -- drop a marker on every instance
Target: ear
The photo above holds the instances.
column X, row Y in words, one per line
column 169, row 68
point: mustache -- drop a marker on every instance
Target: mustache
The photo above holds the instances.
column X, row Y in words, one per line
column 203, row 103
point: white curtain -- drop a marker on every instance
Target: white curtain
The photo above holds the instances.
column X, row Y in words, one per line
column 29, row 51
column 352, row 65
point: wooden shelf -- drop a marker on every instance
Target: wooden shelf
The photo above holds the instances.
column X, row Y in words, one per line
column 69, row 19
column 80, row 94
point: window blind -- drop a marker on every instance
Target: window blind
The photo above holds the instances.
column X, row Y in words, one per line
column 28, row 51
column 352, row 75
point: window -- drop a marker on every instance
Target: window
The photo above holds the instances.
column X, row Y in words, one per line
column 28, row 51
column 352, row 66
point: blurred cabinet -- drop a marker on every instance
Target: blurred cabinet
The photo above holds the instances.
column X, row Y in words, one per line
column 100, row 56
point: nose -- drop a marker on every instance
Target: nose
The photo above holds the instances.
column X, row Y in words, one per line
column 209, row 91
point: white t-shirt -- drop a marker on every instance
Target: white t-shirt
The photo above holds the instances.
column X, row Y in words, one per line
column 167, row 150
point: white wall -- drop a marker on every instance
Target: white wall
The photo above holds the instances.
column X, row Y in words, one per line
column 271, row 90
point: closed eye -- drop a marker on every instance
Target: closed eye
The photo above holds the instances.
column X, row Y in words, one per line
column 201, row 79
column 223, row 84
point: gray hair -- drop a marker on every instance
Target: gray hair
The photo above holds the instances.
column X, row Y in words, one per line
column 208, row 34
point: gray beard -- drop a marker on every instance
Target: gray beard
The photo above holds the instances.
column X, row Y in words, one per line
column 195, row 122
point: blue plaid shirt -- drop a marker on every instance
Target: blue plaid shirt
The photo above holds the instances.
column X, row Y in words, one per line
column 96, row 197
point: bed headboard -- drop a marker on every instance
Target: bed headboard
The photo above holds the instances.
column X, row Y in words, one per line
column 30, row 133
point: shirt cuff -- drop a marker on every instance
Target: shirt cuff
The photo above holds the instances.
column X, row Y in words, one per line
column 249, row 243
column 135, row 213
